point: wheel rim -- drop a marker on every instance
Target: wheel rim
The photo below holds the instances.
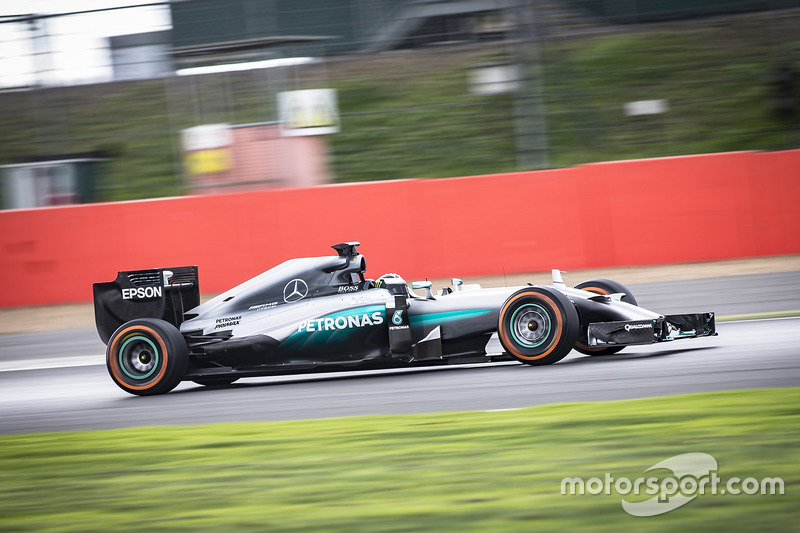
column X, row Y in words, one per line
column 138, row 357
column 530, row 325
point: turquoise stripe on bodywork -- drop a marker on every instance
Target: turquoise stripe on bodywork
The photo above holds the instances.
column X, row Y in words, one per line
column 319, row 337
column 448, row 316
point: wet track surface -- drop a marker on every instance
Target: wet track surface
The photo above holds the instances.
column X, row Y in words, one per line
column 57, row 381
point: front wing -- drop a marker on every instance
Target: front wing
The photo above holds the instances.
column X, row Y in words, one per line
column 661, row 329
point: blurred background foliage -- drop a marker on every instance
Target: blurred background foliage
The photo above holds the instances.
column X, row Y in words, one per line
column 409, row 113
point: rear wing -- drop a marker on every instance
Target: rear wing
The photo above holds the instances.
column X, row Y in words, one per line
column 165, row 293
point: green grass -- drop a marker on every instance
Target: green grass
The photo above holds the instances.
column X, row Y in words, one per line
column 473, row 471
column 759, row 316
column 716, row 84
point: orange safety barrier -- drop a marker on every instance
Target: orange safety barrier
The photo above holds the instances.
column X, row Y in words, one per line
column 654, row 211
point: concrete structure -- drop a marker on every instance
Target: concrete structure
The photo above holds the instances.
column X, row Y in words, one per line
column 141, row 55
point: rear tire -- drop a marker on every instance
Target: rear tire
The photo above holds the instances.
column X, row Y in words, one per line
column 538, row 325
column 602, row 286
column 147, row 356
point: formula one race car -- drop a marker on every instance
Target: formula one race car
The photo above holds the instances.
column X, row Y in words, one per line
column 322, row 314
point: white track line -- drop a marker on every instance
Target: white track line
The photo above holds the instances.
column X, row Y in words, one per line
column 52, row 362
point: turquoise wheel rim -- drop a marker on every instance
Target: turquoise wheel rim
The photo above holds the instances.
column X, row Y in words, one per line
column 530, row 325
column 138, row 357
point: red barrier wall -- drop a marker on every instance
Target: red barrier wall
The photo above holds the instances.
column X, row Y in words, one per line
column 694, row 208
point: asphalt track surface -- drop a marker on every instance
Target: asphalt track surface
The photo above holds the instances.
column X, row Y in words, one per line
column 57, row 381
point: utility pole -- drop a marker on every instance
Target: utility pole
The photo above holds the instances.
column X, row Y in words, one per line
column 530, row 121
column 42, row 53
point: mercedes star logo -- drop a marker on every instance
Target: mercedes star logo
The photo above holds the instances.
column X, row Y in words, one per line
column 295, row 290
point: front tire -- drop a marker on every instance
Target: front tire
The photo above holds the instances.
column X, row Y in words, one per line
column 602, row 286
column 538, row 325
column 147, row 356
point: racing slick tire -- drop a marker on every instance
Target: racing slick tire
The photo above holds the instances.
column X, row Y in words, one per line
column 538, row 325
column 603, row 286
column 147, row 356
column 217, row 381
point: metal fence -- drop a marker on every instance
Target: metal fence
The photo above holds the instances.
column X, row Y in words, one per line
column 424, row 88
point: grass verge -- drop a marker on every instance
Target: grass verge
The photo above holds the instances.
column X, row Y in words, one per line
column 759, row 316
column 472, row 471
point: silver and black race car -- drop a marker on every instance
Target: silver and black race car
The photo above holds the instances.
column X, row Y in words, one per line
column 322, row 314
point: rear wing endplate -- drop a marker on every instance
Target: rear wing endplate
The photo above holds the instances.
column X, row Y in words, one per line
column 165, row 293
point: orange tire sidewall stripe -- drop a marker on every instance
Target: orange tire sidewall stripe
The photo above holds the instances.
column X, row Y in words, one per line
column 582, row 346
column 113, row 358
column 558, row 326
